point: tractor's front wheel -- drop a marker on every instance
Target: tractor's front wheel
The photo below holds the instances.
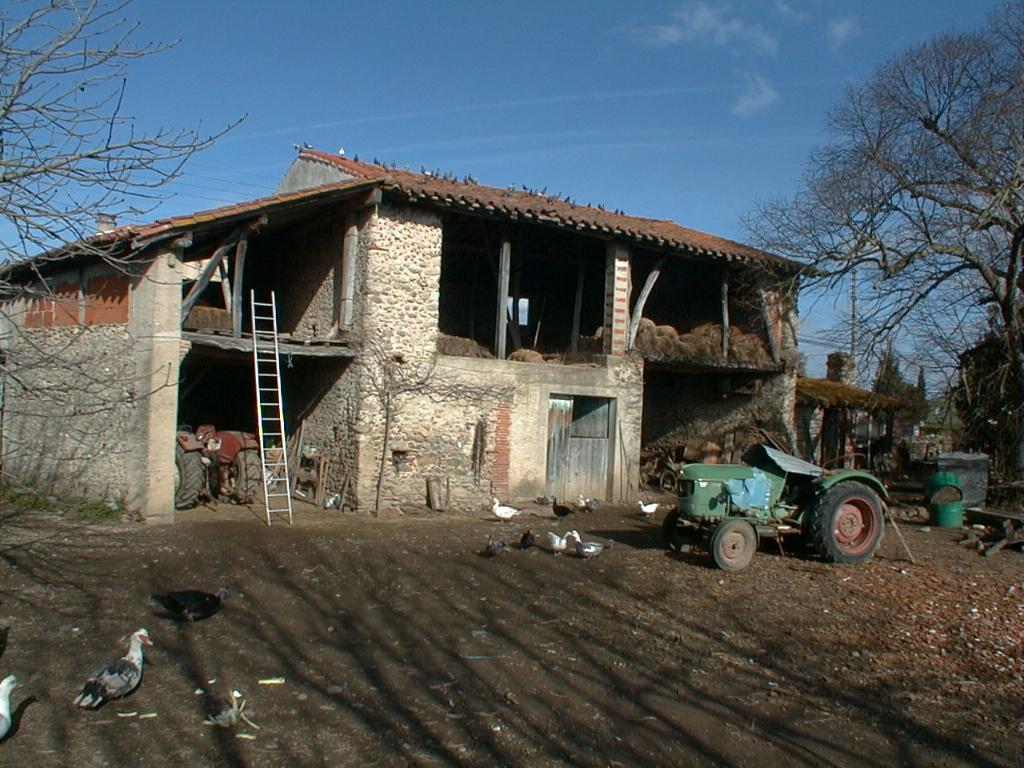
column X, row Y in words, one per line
column 847, row 525
column 733, row 544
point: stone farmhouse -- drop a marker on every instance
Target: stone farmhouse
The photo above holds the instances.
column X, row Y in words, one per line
column 502, row 341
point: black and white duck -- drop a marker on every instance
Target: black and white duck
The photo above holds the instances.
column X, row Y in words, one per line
column 191, row 605
column 116, row 678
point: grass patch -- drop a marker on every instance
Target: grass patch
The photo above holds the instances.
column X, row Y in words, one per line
column 19, row 500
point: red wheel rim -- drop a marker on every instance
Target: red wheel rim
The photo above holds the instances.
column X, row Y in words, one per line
column 854, row 527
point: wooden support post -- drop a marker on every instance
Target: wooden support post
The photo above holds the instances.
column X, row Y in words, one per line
column 225, row 285
column 577, row 308
column 236, row 289
column 501, row 322
column 725, row 313
column 641, row 300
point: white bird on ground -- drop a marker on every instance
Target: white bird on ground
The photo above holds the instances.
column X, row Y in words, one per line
column 589, row 549
column 648, row 509
column 6, row 687
column 558, row 544
column 116, row 678
column 582, row 501
column 504, row 511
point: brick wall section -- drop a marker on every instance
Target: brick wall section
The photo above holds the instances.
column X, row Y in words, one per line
column 502, row 449
column 616, row 299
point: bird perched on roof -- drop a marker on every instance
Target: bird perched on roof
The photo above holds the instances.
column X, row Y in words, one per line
column 6, row 686
column 528, row 540
column 231, row 714
column 589, row 549
column 504, row 511
column 494, row 547
column 558, row 544
column 560, row 510
column 191, row 605
column 648, row 509
column 116, row 678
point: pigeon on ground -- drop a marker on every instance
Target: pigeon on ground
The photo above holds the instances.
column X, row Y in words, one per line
column 116, row 678
column 589, row 549
column 504, row 511
column 233, row 713
column 494, row 547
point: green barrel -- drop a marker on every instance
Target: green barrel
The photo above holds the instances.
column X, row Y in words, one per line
column 943, row 488
column 949, row 514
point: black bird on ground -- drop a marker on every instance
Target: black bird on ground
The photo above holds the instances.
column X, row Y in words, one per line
column 191, row 605
column 494, row 547
column 527, row 541
column 561, row 510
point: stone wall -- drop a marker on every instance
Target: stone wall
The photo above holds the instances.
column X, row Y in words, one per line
column 70, row 407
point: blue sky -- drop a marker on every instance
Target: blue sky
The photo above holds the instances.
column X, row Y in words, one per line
column 688, row 111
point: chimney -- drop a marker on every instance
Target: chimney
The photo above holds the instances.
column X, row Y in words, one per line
column 105, row 222
column 841, row 368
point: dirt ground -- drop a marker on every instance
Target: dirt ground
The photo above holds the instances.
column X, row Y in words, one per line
column 398, row 645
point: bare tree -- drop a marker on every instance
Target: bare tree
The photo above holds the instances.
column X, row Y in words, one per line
column 68, row 151
column 392, row 377
column 921, row 192
column 70, row 155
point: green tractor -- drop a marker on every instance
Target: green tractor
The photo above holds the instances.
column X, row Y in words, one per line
column 728, row 508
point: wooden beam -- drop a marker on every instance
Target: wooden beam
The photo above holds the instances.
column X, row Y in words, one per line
column 577, row 308
column 769, row 326
column 236, row 289
column 225, row 285
column 208, row 270
column 725, row 312
column 347, row 285
column 501, row 323
column 641, row 300
column 216, row 341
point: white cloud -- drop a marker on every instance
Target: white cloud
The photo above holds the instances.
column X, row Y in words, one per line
column 757, row 95
column 701, row 21
column 841, row 31
column 789, row 13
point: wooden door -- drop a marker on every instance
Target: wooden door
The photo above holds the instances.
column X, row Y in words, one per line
column 579, row 446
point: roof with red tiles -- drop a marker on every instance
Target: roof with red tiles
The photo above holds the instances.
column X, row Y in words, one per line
column 532, row 206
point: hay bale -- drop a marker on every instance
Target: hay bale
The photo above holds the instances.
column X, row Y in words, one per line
column 526, row 356
column 457, row 346
column 748, row 349
column 664, row 346
column 666, row 332
column 688, row 345
column 710, row 334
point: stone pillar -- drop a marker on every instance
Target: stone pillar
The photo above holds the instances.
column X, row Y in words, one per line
column 617, row 288
column 155, row 322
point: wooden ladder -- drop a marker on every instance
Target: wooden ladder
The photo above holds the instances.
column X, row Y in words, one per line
column 266, row 364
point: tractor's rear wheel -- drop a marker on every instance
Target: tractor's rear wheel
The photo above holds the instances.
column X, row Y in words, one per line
column 733, row 544
column 248, row 472
column 678, row 538
column 189, row 477
column 847, row 525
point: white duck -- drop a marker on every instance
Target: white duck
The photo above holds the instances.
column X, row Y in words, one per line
column 116, row 678
column 648, row 509
column 504, row 511
column 589, row 549
column 6, row 687
column 558, row 544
